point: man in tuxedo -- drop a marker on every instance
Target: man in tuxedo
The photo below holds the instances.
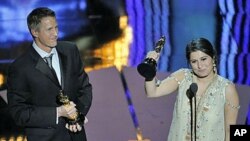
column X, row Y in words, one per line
column 37, row 78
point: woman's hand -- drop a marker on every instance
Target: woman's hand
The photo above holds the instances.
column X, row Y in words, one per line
column 154, row 55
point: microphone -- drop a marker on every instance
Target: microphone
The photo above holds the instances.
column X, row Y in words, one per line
column 192, row 90
column 190, row 94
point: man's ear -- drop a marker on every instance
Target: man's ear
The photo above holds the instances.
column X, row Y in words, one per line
column 34, row 32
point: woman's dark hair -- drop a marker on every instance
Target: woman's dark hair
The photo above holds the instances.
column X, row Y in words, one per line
column 35, row 16
column 201, row 44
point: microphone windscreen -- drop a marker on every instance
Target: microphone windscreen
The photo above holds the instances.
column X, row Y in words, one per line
column 193, row 88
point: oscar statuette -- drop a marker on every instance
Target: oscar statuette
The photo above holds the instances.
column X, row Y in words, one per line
column 148, row 67
column 64, row 100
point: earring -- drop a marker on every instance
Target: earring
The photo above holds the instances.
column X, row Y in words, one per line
column 214, row 67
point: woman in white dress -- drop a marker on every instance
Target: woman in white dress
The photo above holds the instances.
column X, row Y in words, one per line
column 217, row 101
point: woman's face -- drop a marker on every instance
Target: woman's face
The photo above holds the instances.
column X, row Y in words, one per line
column 201, row 63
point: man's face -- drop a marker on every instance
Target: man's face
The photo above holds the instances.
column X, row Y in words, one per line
column 47, row 33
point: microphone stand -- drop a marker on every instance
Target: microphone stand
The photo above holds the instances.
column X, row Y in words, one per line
column 194, row 118
column 191, row 121
column 191, row 94
column 191, row 106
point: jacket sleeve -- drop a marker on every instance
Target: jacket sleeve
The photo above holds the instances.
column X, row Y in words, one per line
column 84, row 92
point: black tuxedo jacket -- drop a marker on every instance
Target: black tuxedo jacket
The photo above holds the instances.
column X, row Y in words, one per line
column 32, row 93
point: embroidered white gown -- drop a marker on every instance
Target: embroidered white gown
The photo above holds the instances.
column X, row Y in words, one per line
column 210, row 112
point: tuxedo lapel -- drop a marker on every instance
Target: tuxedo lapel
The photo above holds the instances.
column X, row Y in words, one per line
column 44, row 68
column 41, row 65
column 63, row 67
